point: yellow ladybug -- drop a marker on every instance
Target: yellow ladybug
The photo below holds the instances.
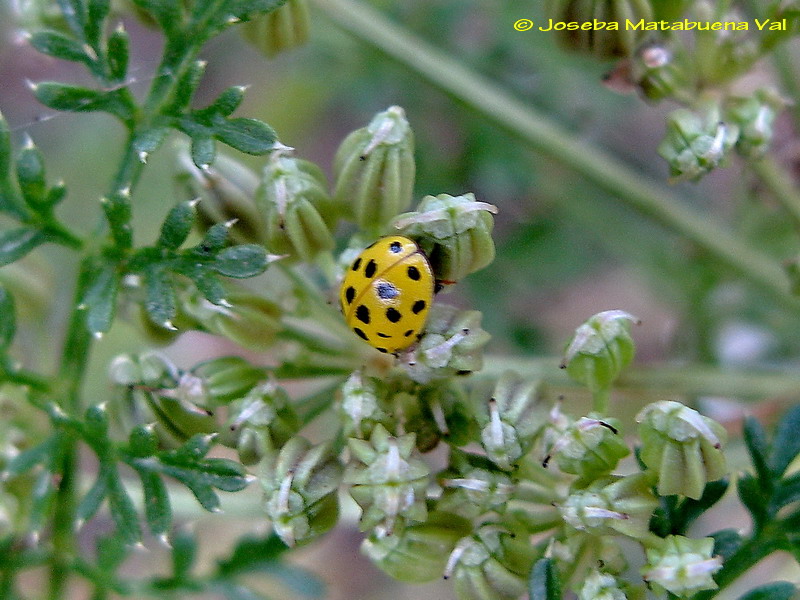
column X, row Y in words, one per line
column 387, row 293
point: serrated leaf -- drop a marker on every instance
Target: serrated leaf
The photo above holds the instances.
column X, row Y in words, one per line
column 204, row 150
column 779, row 590
column 71, row 98
column 543, row 583
column 250, row 136
column 8, row 318
column 786, row 444
column 177, row 225
column 60, row 46
column 123, row 511
column 184, row 552
column 27, row 459
column 101, row 299
column 726, row 543
column 228, row 101
column 245, row 260
column 252, row 554
column 160, row 302
column 91, row 502
column 16, row 243
column 209, row 285
column 157, row 509
column 118, row 54
column 150, row 140
column 755, row 439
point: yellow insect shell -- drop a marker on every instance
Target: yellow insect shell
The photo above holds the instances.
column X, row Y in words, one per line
column 387, row 293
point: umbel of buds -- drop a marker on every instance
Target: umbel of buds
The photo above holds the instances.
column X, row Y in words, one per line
column 682, row 566
column 296, row 207
column 455, row 234
column 300, row 483
column 390, row 483
column 755, row 116
column 374, row 169
column 681, row 447
column 590, row 447
column 607, row 42
column 282, row 29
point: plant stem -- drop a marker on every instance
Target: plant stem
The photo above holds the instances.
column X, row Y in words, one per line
column 780, row 183
column 691, row 380
column 538, row 132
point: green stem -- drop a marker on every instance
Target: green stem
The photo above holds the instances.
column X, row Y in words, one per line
column 689, row 380
column 74, row 360
column 780, row 183
column 600, row 401
column 790, row 81
column 538, row 132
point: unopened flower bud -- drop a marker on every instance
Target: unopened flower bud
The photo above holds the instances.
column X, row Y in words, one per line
column 228, row 378
column 360, row 406
column 510, row 418
column 226, row 191
column 583, row 552
column 590, row 447
column 755, row 116
column 601, row 586
column 695, row 145
column 490, row 565
column 295, row 205
column 600, row 349
column 612, row 504
column 452, row 344
column 455, row 232
column 682, row 566
column 390, row 484
column 608, row 42
column 148, row 368
column 682, row 447
column 473, row 486
column 250, row 320
column 417, row 553
column 537, row 493
column 282, row 29
column 374, row 170
column 300, row 483
column 661, row 71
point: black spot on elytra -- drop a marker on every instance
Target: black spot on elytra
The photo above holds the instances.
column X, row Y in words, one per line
column 350, row 294
column 393, row 315
column 357, row 264
column 386, row 291
column 413, row 273
column 384, row 350
column 383, row 335
column 362, row 314
column 396, row 247
column 360, row 334
column 369, row 270
column 408, row 333
column 418, row 307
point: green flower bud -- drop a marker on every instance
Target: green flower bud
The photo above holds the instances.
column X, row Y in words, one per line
column 182, row 411
column 473, row 486
column 695, row 145
column 579, row 554
column 417, row 553
column 601, row 586
column 600, row 349
column 536, row 495
column 612, row 504
column 295, row 205
column 452, row 344
column 148, row 368
column 360, row 406
column 262, row 420
column 228, row 378
column 374, row 170
column 455, row 232
column 662, row 71
column 250, row 320
column 590, row 447
column 510, row 418
column 755, row 116
column 391, row 484
column 490, row 565
column 282, row 29
column 682, row 447
column 682, row 566
column 226, row 192
column 300, row 483
column 602, row 43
